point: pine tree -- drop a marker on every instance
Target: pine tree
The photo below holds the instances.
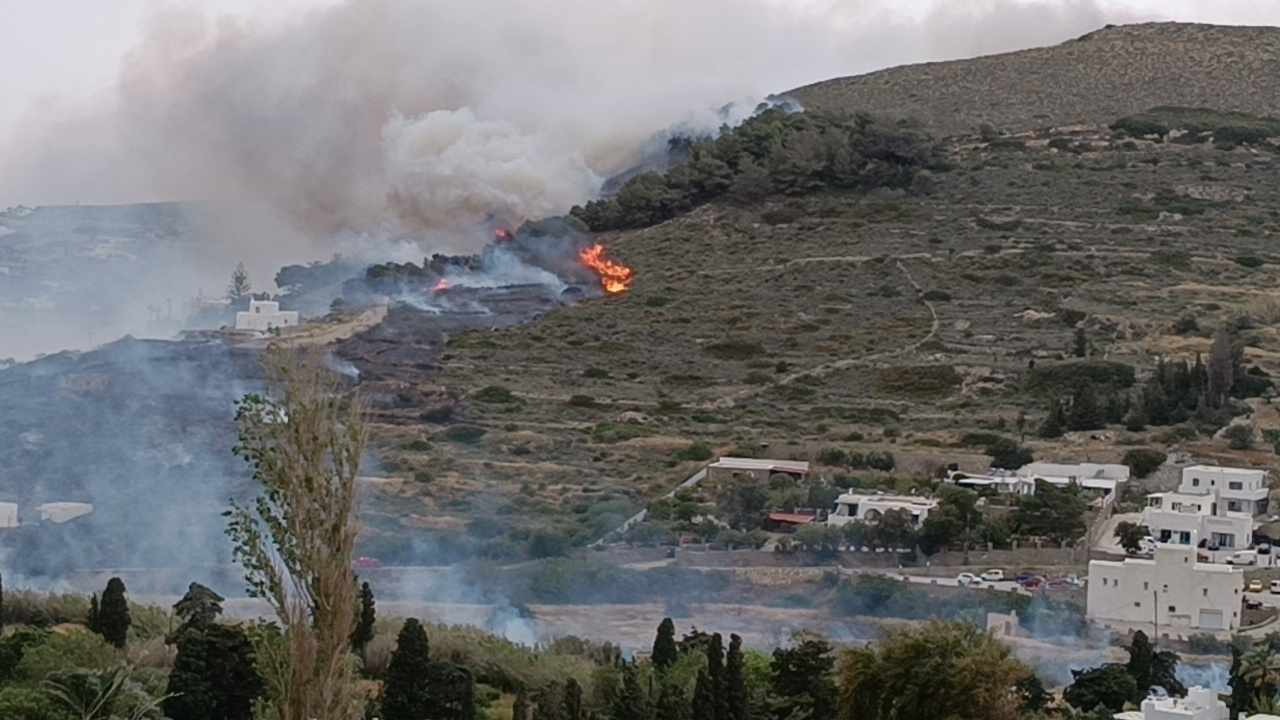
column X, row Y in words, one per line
column 406, row 692
column 451, row 689
column 1055, row 421
column 704, row 698
column 715, row 671
column 92, row 621
column 363, row 633
column 672, row 703
column 572, row 700
column 239, row 285
column 1139, row 666
column 1085, row 414
column 664, row 645
column 735, row 682
column 113, row 613
column 1223, row 364
column 213, row 675
column 1081, row 344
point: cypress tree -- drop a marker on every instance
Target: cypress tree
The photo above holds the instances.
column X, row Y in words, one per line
column 549, row 703
column 1081, row 343
column 1085, row 414
column 1139, row 666
column 113, row 613
column 572, row 700
column 631, row 704
column 406, row 692
column 672, row 704
column 735, row 682
column 91, row 621
column 704, row 698
column 451, row 689
column 1054, row 423
column 363, row 632
column 520, row 708
column 213, row 676
column 1, row 605
column 665, row 653
column 715, row 669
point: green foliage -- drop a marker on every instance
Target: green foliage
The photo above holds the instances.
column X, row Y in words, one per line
column 1062, row 379
column 1225, row 127
column 736, row 700
column 1052, row 512
column 406, row 693
column 25, row 703
column 694, row 452
column 918, row 671
column 60, row 651
column 773, row 152
column 1108, row 686
column 1240, row 436
column 1085, row 413
column 737, row 349
column 1130, row 535
column 14, row 646
column 102, row 695
column 463, row 434
column 1143, row 461
column 364, row 630
column 664, row 645
column 113, row 613
column 214, row 676
column 495, row 394
column 802, row 678
column 1008, row 454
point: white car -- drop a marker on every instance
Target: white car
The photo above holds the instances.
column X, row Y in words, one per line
column 964, row 579
column 1243, row 557
column 993, row 575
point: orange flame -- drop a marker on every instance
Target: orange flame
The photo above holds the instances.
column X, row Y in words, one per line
column 441, row 286
column 503, row 235
column 614, row 277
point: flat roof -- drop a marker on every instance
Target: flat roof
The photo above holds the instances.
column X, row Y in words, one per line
column 1225, row 470
column 1085, row 469
column 740, row 463
column 903, row 499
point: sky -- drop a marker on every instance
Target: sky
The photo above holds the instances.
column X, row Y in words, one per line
column 60, row 56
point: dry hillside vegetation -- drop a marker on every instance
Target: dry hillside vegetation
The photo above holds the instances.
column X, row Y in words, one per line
column 1095, row 79
column 890, row 322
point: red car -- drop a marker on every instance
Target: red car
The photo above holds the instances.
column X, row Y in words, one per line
column 366, row 563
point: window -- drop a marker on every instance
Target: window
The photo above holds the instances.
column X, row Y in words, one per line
column 1165, row 589
column 1205, row 591
column 1233, row 505
column 1137, row 604
column 1235, row 485
column 1146, row 585
column 1184, row 537
column 1173, row 609
column 1195, row 482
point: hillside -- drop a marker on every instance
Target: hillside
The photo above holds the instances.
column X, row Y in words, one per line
column 892, row 322
column 1096, row 78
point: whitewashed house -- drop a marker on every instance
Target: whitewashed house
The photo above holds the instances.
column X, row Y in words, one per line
column 265, row 315
column 8, row 515
column 1199, row 704
column 1171, row 590
column 61, row 512
column 1239, row 489
column 1180, row 518
column 870, row 507
column 760, row 469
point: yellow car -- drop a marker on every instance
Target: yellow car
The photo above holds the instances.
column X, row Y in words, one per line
column 1255, row 586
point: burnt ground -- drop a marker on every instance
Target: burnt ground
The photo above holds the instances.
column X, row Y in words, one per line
column 886, row 322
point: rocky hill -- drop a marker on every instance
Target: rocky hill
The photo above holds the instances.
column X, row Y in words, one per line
column 1096, row 78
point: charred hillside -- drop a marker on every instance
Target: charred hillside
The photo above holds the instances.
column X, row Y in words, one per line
column 1095, row 78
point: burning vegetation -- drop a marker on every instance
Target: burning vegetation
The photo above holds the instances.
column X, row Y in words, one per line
column 614, row 276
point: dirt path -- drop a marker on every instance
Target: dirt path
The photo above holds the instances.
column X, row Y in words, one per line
column 317, row 335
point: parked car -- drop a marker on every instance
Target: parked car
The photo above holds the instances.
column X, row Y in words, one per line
column 1264, row 548
column 1254, row 586
column 993, row 575
column 1275, row 587
column 967, row 579
column 1252, row 604
column 1243, row 557
column 1030, row 582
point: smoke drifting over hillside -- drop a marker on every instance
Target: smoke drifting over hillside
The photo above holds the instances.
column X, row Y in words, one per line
column 402, row 117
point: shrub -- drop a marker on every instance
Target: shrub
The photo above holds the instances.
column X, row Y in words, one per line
column 919, row 380
column 834, row 457
column 1063, row 379
column 547, row 543
column 1007, row 454
column 781, row 216
column 495, row 394
column 1240, row 436
column 1143, row 461
column 584, row 401
column 79, row 649
column 697, row 451
column 596, row 373
column 23, row 703
column 937, row 296
column 465, row 434
column 438, row 415
column 1249, row 261
column 734, row 349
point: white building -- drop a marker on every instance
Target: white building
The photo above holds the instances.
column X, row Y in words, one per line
column 1173, row 590
column 869, row 507
column 8, row 515
column 1240, row 489
column 1002, row 482
column 760, row 469
column 263, row 315
column 60, row 512
column 1199, row 704
column 1097, row 479
column 1180, row 518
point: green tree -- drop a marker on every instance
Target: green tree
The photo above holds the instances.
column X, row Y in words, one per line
column 113, row 614
column 665, row 653
column 1053, row 512
column 631, row 703
column 452, row 692
column 548, row 703
column 92, row 621
column 1143, row 461
column 1055, row 421
column 736, row 702
column 406, row 692
column 520, row 708
column 1225, row 358
column 214, row 676
column 1109, row 686
column 1007, row 454
column 1141, row 657
column 102, row 694
column 802, row 677
column 1085, row 412
column 239, row 285
column 363, row 634
column 672, row 703
column 1130, row 535
column 703, row 706
column 572, row 700
column 1080, row 345
column 920, row 672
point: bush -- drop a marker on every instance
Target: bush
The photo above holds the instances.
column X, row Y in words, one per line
column 78, row 649
column 696, row 451
column 584, row 401
column 1062, row 379
column 465, row 434
column 1249, row 261
column 495, row 394
column 22, row 703
column 1009, row 455
column 1240, row 436
column 834, row 457
column 734, row 349
column 1143, row 461
column 547, row 543
column 596, row 373
column 937, row 296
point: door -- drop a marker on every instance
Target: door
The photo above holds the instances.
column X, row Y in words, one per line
column 1211, row 620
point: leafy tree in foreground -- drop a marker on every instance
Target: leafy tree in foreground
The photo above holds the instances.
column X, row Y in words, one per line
column 363, row 634
column 406, row 693
column 735, row 682
column 801, row 677
column 940, row 668
column 1130, row 535
column 113, row 614
column 214, row 676
column 631, row 703
column 1053, row 512
column 304, row 441
column 1108, row 686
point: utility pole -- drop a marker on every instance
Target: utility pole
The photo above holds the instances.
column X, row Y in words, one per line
column 1155, row 616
